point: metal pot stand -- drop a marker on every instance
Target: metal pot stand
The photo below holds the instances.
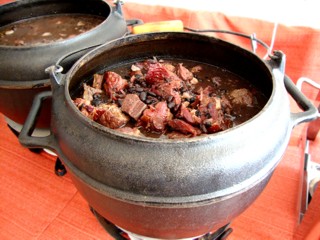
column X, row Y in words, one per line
column 119, row 234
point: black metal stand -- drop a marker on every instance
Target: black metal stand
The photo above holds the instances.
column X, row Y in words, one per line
column 221, row 234
column 59, row 168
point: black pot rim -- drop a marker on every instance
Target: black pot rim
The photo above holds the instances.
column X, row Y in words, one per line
column 29, row 84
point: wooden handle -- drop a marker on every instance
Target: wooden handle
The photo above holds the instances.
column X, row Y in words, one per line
column 162, row 26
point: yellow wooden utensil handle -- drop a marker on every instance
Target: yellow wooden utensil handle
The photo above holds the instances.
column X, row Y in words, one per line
column 162, row 26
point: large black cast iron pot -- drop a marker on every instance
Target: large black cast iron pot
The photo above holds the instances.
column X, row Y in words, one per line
column 163, row 188
column 22, row 68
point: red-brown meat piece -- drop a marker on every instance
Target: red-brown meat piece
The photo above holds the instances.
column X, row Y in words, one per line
column 133, row 106
column 183, row 127
column 114, row 84
column 158, row 73
column 168, row 89
column 156, row 118
column 189, row 115
column 91, row 112
column 214, row 124
column 79, row 102
column 212, row 119
column 184, row 73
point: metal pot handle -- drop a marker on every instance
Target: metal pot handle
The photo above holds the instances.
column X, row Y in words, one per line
column 25, row 136
column 68, row 60
column 310, row 111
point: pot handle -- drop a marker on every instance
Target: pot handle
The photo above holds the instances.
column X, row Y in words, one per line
column 118, row 6
column 25, row 136
column 68, row 60
column 310, row 111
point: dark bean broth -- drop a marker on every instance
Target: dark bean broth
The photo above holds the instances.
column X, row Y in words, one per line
column 47, row 29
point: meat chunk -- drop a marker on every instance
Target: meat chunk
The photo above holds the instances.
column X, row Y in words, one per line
column 169, row 89
column 133, row 106
column 225, row 104
column 210, row 112
column 156, row 118
column 158, row 73
column 87, row 109
column 183, row 127
column 112, row 116
column 79, row 102
column 213, row 125
column 189, row 115
column 184, row 73
column 114, row 84
column 97, row 81
column 207, row 107
column 196, row 69
column 241, row 96
column 88, row 93
column 91, row 112
column 169, row 67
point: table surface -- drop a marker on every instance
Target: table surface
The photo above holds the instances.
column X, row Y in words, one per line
column 37, row 204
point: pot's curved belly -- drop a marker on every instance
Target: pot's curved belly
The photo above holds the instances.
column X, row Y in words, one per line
column 165, row 221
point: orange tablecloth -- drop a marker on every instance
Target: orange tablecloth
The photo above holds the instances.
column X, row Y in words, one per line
column 36, row 204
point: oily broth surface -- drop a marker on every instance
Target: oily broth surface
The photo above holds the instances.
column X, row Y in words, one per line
column 47, row 29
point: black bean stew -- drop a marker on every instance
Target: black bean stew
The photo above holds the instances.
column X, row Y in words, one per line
column 169, row 98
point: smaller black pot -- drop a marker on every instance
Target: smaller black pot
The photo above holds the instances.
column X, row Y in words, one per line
column 22, row 74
